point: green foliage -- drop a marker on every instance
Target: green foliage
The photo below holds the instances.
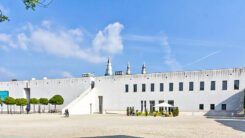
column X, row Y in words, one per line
column 159, row 113
column 9, row 101
column 166, row 114
column 128, row 111
column 3, row 18
column 0, row 100
column 56, row 100
column 14, row 80
column 175, row 111
column 34, row 101
column 21, row 102
column 31, row 4
column 43, row 101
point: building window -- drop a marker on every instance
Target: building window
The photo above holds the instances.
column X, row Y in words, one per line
column 160, row 108
column 171, row 86
column 152, row 87
column 135, row 87
column 202, row 86
column 191, row 85
column 201, row 106
column 171, row 102
column 143, row 87
column 161, row 87
column 224, row 85
column 212, row 107
column 212, row 85
column 223, row 107
column 181, row 86
column 152, row 106
column 142, row 106
column 236, row 84
column 126, row 88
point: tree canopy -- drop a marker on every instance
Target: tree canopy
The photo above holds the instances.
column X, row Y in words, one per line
column 9, row 101
column 29, row 4
column 34, row 101
column 56, row 100
column 43, row 101
column 21, row 102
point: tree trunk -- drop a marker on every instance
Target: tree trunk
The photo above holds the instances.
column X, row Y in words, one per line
column 55, row 108
column 44, row 108
column 20, row 109
column 7, row 108
column 34, row 108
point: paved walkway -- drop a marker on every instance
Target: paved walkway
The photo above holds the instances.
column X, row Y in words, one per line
column 54, row 125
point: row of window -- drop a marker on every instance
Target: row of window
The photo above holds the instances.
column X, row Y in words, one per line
column 212, row 107
column 181, row 86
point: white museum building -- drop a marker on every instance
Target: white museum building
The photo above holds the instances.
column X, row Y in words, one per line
column 208, row 92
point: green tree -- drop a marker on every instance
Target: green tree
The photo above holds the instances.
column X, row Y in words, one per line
column 34, row 101
column 9, row 101
column 14, row 80
column 29, row 4
column 56, row 100
column 43, row 101
column 21, row 102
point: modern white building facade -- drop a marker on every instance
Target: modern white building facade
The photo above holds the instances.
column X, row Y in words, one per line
column 210, row 92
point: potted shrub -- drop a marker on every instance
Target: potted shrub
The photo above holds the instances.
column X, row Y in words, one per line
column 175, row 111
column 166, row 114
column 128, row 111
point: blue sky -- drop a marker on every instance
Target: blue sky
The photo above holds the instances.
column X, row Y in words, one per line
column 73, row 37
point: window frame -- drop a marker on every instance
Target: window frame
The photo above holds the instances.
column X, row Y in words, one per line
column 236, row 87
column 143, row 87
column 171, row 86
column 202, row 82
column 226, row 86
column 161, row 87
column 181, row 86
column 135, row 88
column 126, row 88
column 191, row 88
column 213, row 86
column 152, row 87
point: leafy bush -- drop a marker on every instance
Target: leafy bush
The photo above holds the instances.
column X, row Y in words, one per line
column 159, row 114
column 166, row 114
column 43, row 101
column 34, row 101
column 175, row 111
column 56, row 100
column 146, row 113
column 9, row 101
column 21, row 102
column 128, row 111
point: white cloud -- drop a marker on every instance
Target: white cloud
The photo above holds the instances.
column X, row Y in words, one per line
column 7, row 40
column 109, row 40
column 170, row 60
column 5, row 74
column 4, row 10
column 66, row 75
column 67, row 43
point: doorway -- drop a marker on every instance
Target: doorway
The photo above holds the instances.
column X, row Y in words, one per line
column 101, row 104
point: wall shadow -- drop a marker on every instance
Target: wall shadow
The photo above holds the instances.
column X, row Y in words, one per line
column 235, row 102
column 235, row 124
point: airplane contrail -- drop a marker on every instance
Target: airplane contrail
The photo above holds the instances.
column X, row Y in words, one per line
column 202, row 58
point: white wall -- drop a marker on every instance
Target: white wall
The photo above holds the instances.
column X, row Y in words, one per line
column 112, row 88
